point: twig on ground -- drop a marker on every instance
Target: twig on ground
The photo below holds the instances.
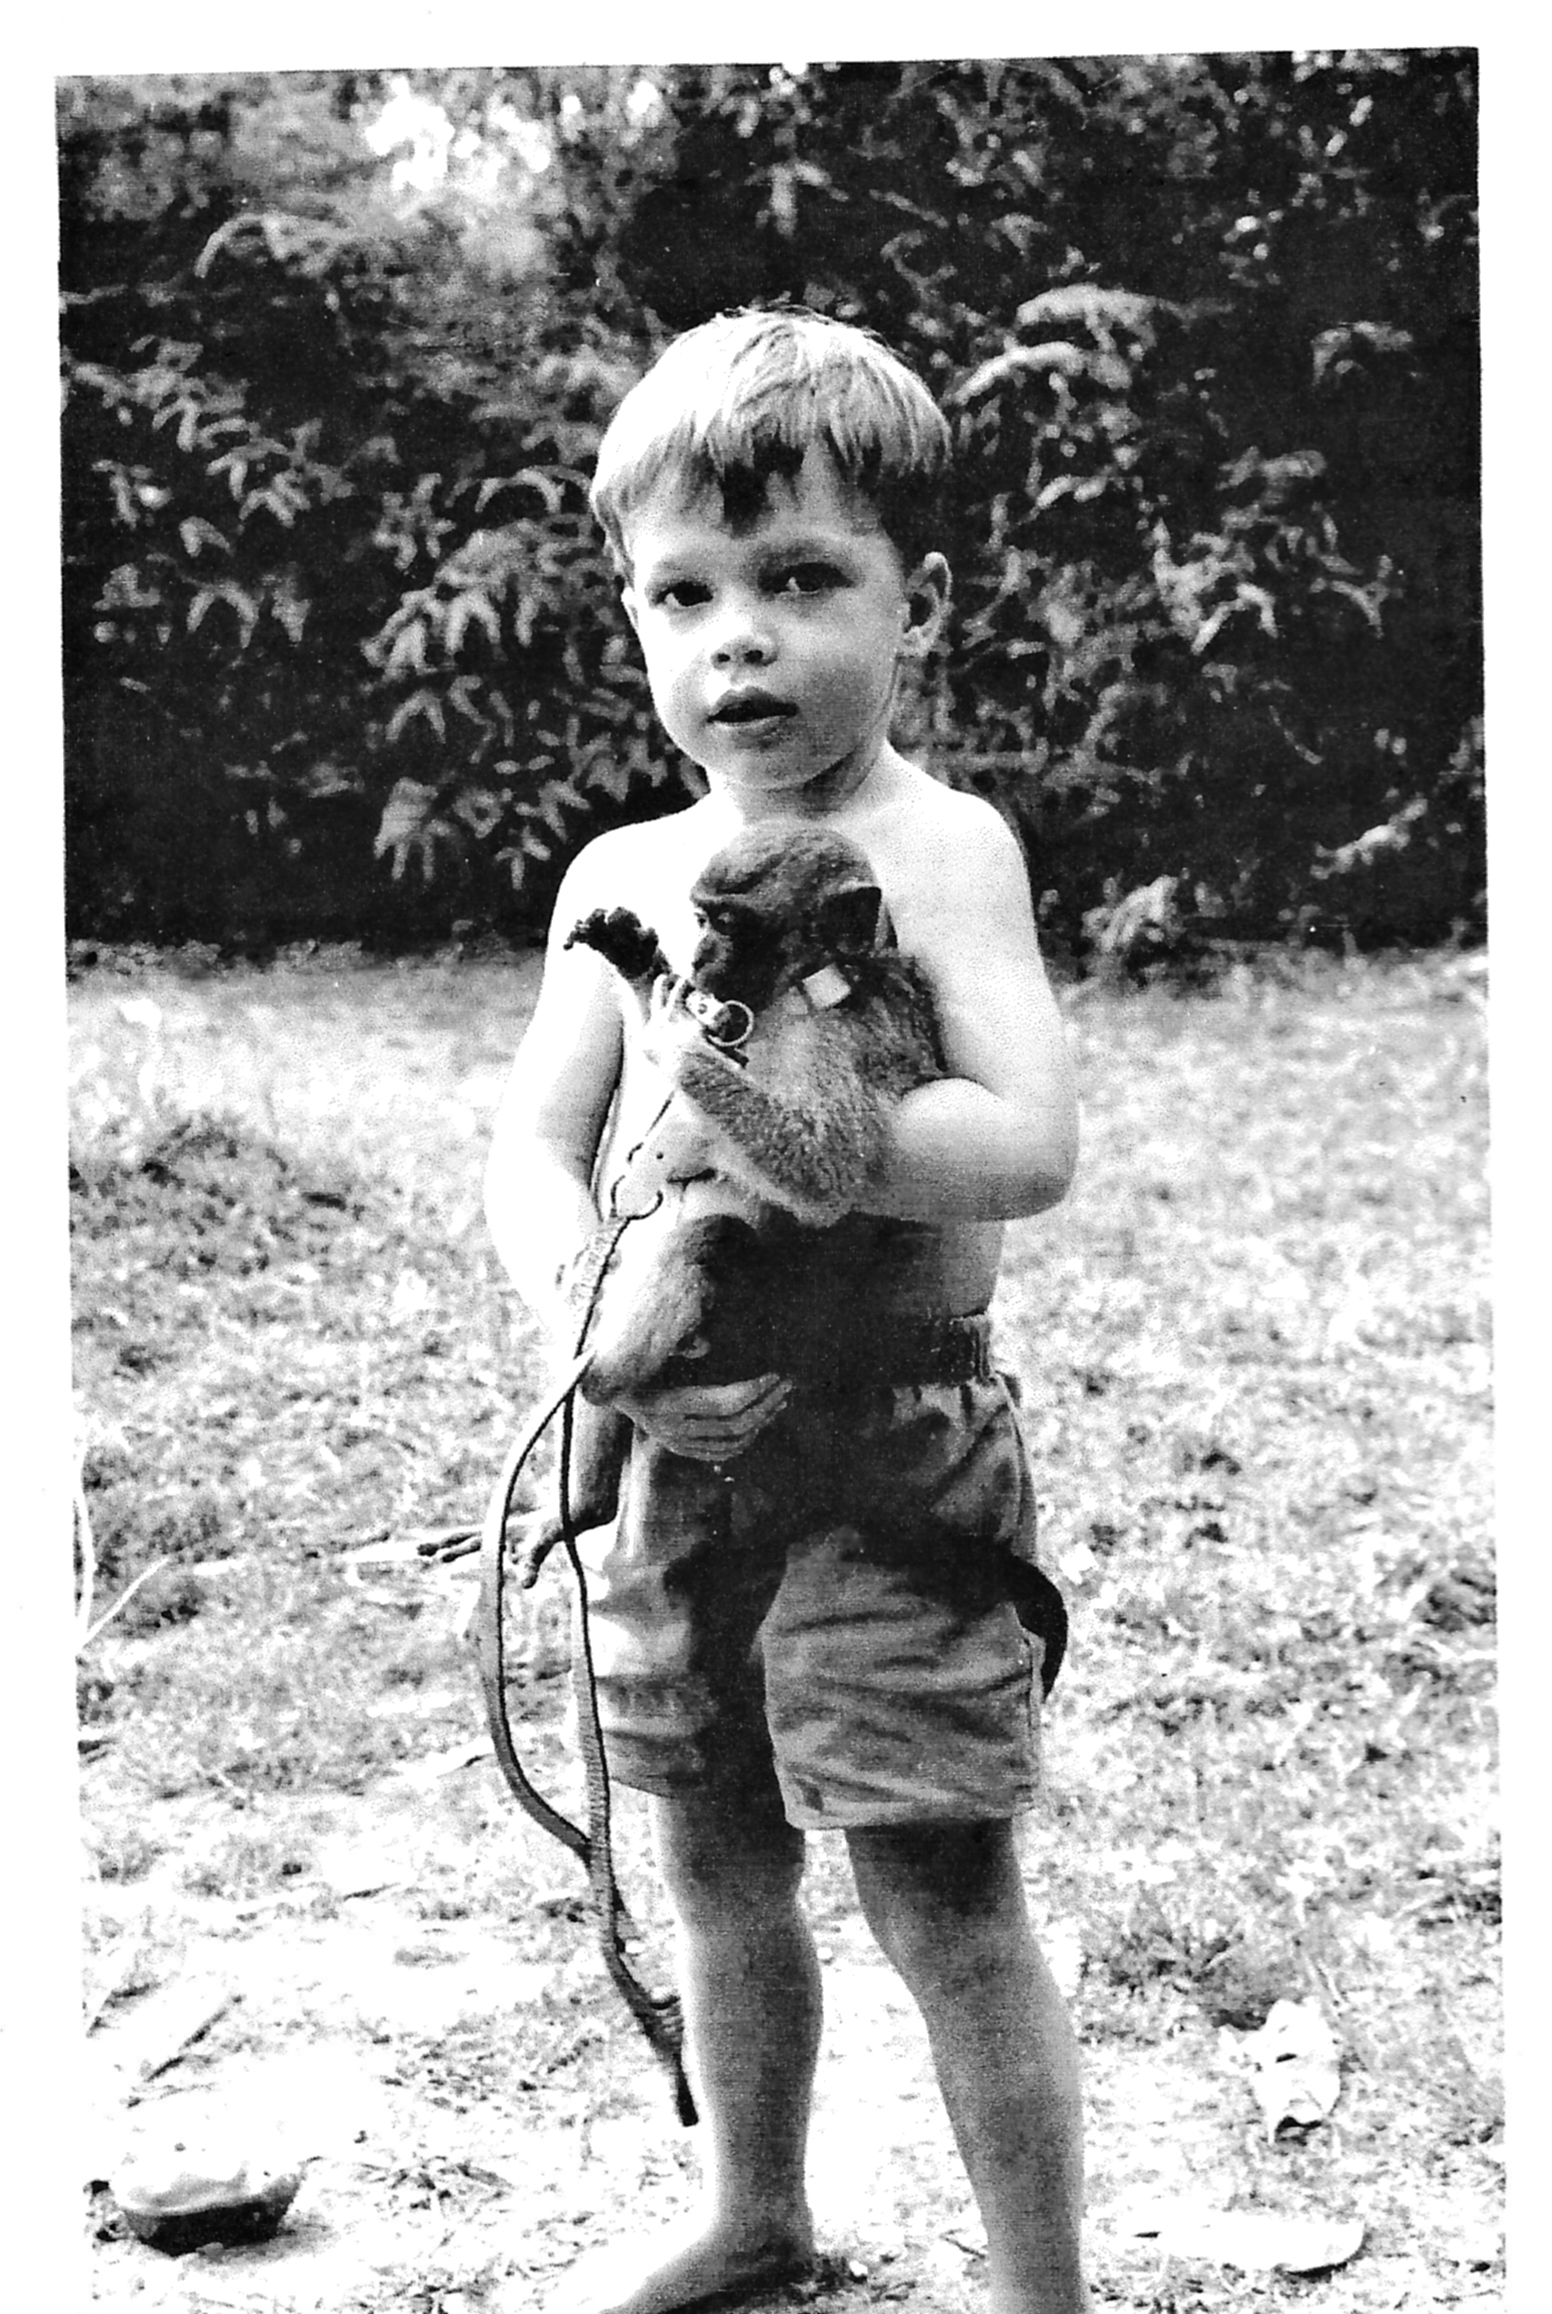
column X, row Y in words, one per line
column 88, row 1551
column 122, row 1601
column 435, row 1544
column 171, row 2020
column 457, row 1546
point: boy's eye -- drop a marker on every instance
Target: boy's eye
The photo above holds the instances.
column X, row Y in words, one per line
column 805, row 578
column 681, row 594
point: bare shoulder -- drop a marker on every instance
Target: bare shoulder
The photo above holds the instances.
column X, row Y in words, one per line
column 952, row 870
column 628, row 862
column 648, row 866
column 964, row 834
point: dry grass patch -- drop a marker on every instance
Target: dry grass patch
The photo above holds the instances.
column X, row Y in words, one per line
column 1254, row 1351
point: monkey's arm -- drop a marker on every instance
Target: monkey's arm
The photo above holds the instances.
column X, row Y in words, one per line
column 806, row 1125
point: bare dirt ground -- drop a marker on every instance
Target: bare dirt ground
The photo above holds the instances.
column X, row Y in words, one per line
column 388, row 2045
column 1254, row 1358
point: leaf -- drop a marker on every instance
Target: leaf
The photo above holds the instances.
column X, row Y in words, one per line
column 1020, row 362
column 223, row 238
column 1392, row 835
column 1261, row 2241
column 408, row 656
column 1101, row 310
column 196, row 532
column 530, row 477
column 423, row 703
column 404, row 819
column 1297, row 2078
column 481, row 809
column 473, row 604
column 234, row 464
column 290, row 609
column 464, row 693
column 1263, row 604
column 1332, row 349
column 225, row 591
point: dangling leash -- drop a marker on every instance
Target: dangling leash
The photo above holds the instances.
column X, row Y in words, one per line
column 660, row 2015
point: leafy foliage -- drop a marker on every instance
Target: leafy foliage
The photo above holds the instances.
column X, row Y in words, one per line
column 339, row 347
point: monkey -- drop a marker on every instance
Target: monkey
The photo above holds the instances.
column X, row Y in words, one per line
column 800, row 1030
column 800, row 1027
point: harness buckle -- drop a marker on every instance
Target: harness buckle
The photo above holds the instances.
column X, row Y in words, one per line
column 725, row 1023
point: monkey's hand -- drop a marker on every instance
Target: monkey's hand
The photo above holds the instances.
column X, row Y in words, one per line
column 623, row 941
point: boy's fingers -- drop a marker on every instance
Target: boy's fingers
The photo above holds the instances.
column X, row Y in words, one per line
column 711, row 1422
column 741, row 1429
column 742, row 1397
column 717, row 1422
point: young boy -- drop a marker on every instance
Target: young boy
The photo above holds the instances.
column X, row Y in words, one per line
column 804, row 1617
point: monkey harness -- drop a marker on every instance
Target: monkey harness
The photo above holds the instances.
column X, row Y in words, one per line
column 660, row 2015
column 726, row 1025
column 946, row 1350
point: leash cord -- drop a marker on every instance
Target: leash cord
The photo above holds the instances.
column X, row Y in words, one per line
column 659, row 2015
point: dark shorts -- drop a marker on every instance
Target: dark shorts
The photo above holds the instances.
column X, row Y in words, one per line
column 838, row 1606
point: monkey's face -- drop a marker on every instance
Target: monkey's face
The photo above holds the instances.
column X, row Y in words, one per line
column 777, row 902
column 738, row 957
column 772, row 648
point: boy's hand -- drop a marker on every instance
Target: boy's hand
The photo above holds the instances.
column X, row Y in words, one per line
column 671, row 1028
column 709, row 1422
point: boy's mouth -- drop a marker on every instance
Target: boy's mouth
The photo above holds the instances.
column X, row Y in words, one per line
column 740, row 707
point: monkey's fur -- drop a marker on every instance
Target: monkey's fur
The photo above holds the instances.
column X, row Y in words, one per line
column 795, row 1124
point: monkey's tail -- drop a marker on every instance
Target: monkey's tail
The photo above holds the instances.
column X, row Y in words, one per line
column 659, row 2015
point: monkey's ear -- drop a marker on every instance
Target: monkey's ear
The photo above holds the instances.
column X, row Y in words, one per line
column 846, row 923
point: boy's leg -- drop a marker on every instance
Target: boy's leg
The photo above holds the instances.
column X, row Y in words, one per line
column 946, row 1904
column 749, row 1979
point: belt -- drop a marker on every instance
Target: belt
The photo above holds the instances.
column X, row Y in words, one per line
column 895, row 1352
column 842, row 1359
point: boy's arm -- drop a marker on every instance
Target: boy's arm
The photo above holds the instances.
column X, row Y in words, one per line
column 998, row 1137
column 538, row 1195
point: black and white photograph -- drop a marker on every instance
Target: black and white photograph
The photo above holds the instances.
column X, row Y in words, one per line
column 774, row 943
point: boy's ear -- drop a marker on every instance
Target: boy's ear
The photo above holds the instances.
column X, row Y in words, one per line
column 926, row 602
column 629, row 604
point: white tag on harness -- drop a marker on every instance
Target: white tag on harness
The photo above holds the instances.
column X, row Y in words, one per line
column 826, row 987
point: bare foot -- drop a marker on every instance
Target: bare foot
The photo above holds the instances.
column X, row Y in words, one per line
column 685, row 2266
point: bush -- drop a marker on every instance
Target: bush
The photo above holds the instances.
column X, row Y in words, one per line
column 342, row 648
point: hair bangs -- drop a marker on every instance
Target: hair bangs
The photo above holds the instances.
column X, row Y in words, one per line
column 741, row 400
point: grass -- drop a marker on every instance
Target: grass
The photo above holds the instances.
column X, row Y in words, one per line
column 1254, row 1355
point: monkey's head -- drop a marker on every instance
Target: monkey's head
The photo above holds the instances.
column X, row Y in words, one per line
column 775, row 904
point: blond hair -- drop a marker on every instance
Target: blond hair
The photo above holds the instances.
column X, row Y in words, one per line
column 742, row 398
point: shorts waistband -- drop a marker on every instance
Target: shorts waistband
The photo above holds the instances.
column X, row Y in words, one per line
column 897, row 1352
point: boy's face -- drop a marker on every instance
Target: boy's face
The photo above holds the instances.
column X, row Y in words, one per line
column 772, row 649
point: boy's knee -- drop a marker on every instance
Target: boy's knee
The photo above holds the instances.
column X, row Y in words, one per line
column 722, row 1859
column 940, row 1900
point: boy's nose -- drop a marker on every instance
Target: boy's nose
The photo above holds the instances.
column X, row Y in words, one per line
column 743, row 638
